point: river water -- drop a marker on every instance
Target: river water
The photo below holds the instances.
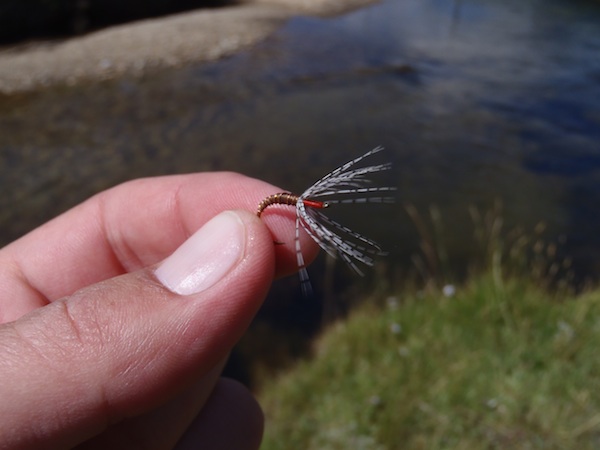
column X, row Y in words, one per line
column 477, row 102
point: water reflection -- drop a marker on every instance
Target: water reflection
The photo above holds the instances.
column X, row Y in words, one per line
column 476, row 101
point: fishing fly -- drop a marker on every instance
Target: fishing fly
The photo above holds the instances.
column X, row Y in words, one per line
column 345, row 185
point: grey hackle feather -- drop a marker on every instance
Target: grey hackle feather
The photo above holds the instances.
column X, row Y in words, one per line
column 344, row 183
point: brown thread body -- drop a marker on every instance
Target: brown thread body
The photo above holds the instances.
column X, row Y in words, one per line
column 281, row 198
column 285, row 198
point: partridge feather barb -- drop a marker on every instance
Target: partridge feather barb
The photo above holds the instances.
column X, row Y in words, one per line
column 345, row 185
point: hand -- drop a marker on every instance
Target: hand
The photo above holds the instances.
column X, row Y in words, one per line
column 112, row 339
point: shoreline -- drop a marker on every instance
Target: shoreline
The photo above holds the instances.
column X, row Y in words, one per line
column 140, row 47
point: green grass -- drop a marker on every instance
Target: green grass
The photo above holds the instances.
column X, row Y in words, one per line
column 500, row 364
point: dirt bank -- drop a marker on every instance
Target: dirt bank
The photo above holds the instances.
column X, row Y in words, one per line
column 138, row 47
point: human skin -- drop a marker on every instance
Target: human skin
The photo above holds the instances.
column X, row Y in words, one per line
column 106, row 342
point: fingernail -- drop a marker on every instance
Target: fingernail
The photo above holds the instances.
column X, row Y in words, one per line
column 206, row 257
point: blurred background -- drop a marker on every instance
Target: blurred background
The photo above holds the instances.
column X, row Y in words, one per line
column 481, row 105
column 21, row 21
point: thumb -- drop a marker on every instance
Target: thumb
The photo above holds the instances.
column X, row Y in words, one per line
column 122, row 347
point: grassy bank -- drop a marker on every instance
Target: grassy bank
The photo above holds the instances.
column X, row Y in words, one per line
column 497, row 363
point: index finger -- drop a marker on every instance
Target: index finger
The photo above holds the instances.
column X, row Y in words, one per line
column 131, row 226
